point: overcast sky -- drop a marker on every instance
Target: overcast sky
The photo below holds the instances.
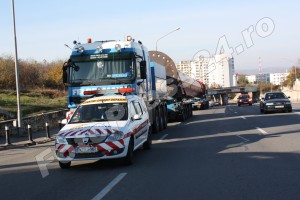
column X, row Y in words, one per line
column 43, row 27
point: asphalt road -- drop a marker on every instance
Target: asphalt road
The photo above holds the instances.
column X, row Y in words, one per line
column 226, row 152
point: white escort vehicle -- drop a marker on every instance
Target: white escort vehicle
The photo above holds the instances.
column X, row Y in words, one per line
column 105, row 127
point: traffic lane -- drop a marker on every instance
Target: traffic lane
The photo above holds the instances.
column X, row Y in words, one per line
column 281, row 129
column 265, row 120
column 195, row 168
column 141, row 157
column 82, row 181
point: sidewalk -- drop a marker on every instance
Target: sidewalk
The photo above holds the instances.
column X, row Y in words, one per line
column 22, row 141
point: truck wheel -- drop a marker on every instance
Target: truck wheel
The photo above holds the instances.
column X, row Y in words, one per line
column 64, row 165
column 183, row 114
column 156, row 122
column 161, row 118
column 148, row 144
column 165, row 117
column 128, row 159
column 191, row 110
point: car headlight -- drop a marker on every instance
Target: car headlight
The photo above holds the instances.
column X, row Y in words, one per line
column 269, row 104
column 118, row 135
column 288, row 103
column 61, row 140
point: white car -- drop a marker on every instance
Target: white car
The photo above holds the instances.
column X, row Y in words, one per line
column 105, row 127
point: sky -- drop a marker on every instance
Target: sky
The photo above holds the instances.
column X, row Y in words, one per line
column 43, row 27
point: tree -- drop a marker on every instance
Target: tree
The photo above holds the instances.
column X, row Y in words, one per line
column 7, row 75
column 290, row 79
column 242, row 81
column 54, row 75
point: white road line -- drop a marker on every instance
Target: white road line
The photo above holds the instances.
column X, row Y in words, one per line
column 108, row 188
column 163, row 137
column 243, row 117
column 246, row 140
column 261, row 130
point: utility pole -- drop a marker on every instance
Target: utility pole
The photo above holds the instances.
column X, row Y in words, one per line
column 19, row 121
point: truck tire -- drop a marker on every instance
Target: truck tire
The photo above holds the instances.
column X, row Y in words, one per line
column 183, row 114
column 128, row 159
column 161, row 118
column 148, row 144
column 64, row 165
column 165, row 113
column 155, row 122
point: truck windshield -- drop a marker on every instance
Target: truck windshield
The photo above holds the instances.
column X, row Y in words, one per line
column 100, row 112
column 103, row 71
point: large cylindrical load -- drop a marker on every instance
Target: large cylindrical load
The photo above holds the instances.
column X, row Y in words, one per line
column 179, row 85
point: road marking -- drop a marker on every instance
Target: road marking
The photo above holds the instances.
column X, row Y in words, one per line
column 243, row 117
column 262, row 131
column 239, row 144
column 246, row 140
column 108, row 188
column 163, row 137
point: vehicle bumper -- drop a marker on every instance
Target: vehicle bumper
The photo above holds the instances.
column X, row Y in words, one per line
column 272, row 108
column 105, row 150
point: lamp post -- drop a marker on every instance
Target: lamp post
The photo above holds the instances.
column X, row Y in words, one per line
column 19, row 124
column 165, row 36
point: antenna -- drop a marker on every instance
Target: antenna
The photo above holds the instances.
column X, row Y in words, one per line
column 259, row 66
column 68, row 46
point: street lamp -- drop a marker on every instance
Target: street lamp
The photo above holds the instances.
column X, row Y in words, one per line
column 19, row 124
column 166, row 35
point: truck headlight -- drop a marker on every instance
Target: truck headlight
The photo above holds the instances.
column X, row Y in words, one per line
column 61, row 140
column 269, row 104
column 118, row 135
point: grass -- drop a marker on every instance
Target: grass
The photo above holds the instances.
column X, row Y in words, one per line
column 32, row 102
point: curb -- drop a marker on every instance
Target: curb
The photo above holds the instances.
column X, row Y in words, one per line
column 27, row 144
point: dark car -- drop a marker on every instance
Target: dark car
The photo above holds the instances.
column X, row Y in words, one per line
column 275, row 101
column 244, row 99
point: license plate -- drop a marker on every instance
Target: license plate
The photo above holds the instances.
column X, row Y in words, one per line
column 86, row 149
column 279, row 106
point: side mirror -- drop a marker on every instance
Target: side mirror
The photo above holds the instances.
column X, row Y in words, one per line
column 136, row 117
column 64, row 121
column 64, row 72
column 289, row 97
column 143, row 67
column 65, row 76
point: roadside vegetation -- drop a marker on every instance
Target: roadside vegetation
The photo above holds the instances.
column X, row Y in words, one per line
column 41, row 87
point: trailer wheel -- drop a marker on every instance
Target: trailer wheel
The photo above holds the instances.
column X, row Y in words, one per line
column 183, row 114
column 191, row 109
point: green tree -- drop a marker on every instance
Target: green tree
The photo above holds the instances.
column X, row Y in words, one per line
column 242, row 81
column 290, row 79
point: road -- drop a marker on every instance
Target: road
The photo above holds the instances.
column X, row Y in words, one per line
column 225, row 152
